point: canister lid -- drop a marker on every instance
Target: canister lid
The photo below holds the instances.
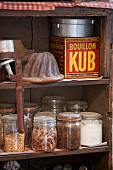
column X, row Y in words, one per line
column 77, row 104
column 69, row 116
column 91, row 115
column 53, row 99
column 77, row 21
column 31, row 106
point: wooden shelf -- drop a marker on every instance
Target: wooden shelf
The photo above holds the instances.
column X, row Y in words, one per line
column 28, row 154
column 12, row 85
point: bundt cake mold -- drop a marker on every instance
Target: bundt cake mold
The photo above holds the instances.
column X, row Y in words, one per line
column 41, row 68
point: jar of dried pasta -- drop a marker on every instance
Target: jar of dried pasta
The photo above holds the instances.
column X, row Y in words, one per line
column 6, row 108
column 68, row 130
column 13, row 140
column 44, row 133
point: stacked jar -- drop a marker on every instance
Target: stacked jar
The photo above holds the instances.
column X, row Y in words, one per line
column 13, row 140
column 68, row 130
column 76, row 106
column 30, row 109
column 44, row 135
column 53, row 104
column 91, row 129
column 5, row 109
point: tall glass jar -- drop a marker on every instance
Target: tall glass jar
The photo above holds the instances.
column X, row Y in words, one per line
column 30, row 109
column 53, row 104
column 76, row 106
column 6, row 108
column 68, row 130
column 13, row 140
column 91, row 128
column 44, row 133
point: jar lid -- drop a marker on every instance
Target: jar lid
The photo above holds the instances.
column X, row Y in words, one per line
column 69, row 116
column 7, row 108
column 11, row 117
column 44, row 118
column 53, row 99
column 91, row 115
column 31, row 106
column 77, row 104
column 46, row 113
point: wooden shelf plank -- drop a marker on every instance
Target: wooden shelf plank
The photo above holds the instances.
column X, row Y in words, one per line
column 12, row 85
column 28, row 154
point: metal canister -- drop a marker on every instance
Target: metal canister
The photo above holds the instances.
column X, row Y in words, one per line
column 72, row 27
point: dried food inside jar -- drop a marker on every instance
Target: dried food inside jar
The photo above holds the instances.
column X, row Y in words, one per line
column 44, row 134
column 68, row 130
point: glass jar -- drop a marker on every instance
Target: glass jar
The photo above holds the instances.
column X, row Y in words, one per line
column 13, row 141
column 6, row 108
column 53, row 104
column 28, row 131
column 91, row 128
column 76, row 106
column 44, row 133
column 30, row 109
column 1, row 131
column 68, row 130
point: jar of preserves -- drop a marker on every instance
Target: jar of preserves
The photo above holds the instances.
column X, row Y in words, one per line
column 13, row 140
column 6, row 108
column 91, row 128
column 68, row 130
column 53, row 104
column 30, row 109
column 44, row 133
column 76, row 106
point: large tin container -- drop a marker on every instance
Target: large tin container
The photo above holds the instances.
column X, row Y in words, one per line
column 76, row 57
column 72, row 27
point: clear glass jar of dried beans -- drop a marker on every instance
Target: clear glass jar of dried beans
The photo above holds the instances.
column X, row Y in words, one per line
column 68, row 130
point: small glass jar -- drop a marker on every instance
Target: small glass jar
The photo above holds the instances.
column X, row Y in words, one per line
column 53, row 104
column 30, row 109
column 13, row 140
column 76, row 106
column 6, row 108
column 91, row 128
column 68, row 130
column 44, row 133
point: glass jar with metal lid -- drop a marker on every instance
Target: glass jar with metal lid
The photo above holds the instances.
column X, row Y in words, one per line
column 6, row 108
column 54, row 104
column 91, row 128
column 44, row 133
column 13, row 141
column 30, row 109
column 68, row 130
column 76, row 106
